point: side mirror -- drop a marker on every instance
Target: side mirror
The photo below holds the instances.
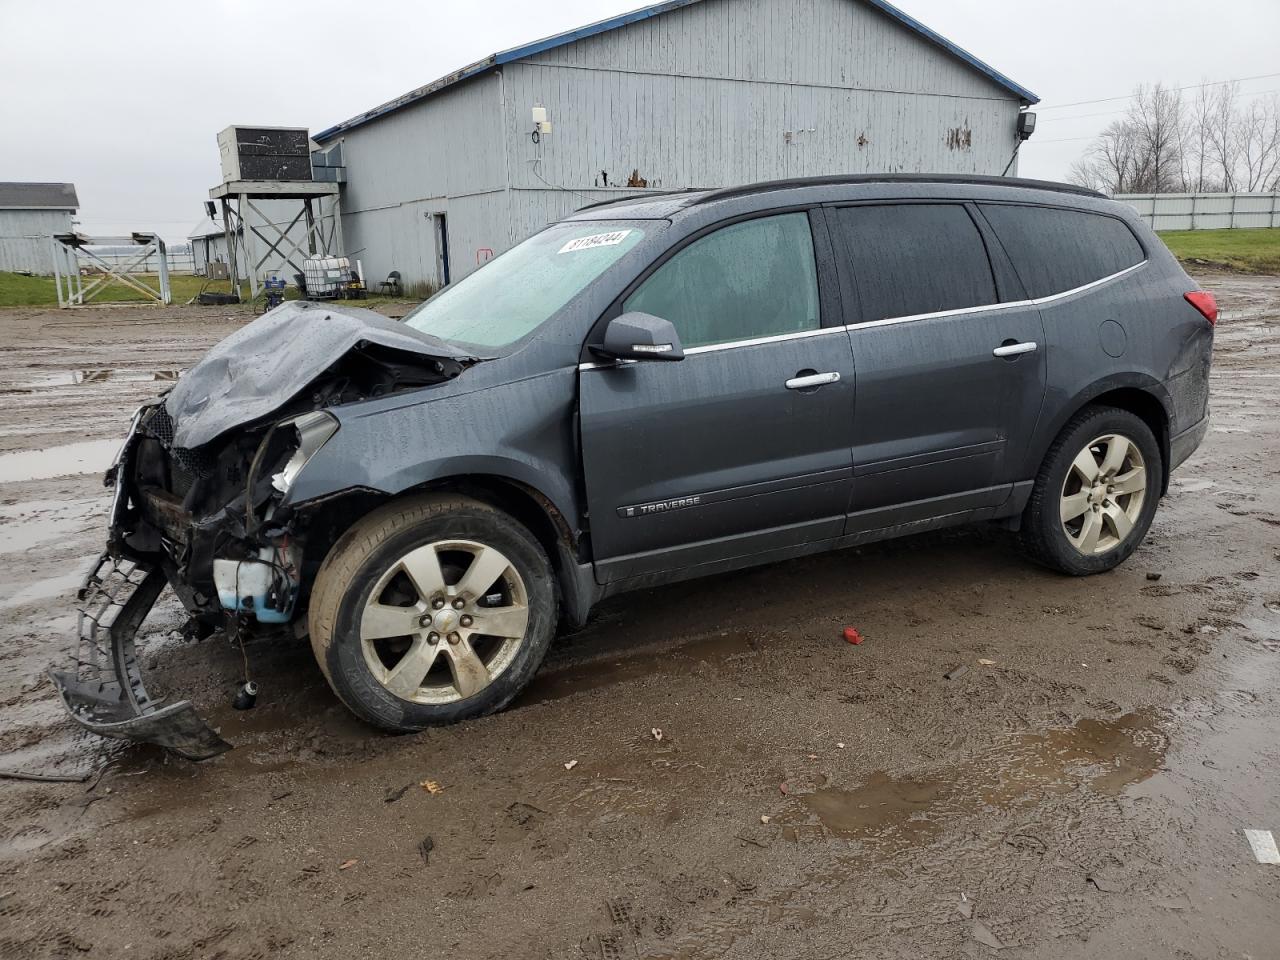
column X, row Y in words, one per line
column 640, row 336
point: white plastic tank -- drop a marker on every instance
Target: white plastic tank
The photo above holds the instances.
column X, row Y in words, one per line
column 326, row 276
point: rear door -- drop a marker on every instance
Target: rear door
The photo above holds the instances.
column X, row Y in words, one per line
column 950, row 359
column 728, row 453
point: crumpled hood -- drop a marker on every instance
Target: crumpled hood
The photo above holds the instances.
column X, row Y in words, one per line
column 264, row 365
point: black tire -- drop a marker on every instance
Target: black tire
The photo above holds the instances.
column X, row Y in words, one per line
column 373, row 546
column 1042, row 535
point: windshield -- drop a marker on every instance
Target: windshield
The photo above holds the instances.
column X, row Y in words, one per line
column 513, row 295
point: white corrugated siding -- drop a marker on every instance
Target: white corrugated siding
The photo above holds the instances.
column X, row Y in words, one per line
column 726, row 132
column 24, row 239
column 836, row 43
column 718, row 93
column 443, row 155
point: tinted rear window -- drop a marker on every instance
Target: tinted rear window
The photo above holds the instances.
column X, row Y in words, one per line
column 914, row 258
column 1056, row 250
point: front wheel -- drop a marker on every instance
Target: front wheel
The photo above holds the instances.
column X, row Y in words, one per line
column 432, row 611
column 1096, row 493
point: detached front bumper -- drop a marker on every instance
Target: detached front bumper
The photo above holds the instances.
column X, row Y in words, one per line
column 103, row 689
column 104, row 692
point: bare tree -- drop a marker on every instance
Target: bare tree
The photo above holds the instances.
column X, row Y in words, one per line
column 1199, row 132
column 1144, row 151
column 1109, row 163
column 1163, row 145
column 1259, row 141
column 1224, row 134
column 1156, row 120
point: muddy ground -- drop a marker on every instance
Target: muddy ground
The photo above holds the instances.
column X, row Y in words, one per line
column 1078, row 791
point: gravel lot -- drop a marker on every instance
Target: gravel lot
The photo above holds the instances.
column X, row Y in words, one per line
column 1078, row 791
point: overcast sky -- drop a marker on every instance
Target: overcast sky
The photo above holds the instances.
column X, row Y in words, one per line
column 125, row 99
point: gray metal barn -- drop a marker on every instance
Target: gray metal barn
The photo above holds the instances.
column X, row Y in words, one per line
column 31, row 213
column 686, row 93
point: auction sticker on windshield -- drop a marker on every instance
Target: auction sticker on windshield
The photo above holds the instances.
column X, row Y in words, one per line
column 596, row 240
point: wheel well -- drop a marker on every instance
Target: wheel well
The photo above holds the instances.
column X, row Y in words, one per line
column 330, row 520
column 1151, row 411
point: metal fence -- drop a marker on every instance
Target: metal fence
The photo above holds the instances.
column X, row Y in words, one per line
column 181, row 260
column 1205, row 211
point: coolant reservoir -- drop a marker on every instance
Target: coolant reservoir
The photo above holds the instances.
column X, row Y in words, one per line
column 260, row 587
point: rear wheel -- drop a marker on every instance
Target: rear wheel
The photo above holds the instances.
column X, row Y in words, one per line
column 432, row 611
column 1096, row 493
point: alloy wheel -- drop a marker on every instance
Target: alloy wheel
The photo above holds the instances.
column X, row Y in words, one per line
column 1103, row 494
column 444, row 621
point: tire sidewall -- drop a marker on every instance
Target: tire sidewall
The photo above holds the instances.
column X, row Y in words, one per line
column 345, row 664
column 1105, row 421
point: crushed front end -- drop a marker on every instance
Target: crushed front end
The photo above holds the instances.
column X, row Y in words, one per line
column 211, row 519
column 206, row 522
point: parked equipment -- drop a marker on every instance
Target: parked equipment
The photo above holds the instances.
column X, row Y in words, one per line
column 326, row 277
column 273, row 290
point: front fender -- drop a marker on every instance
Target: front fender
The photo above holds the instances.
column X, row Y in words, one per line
column 520, row 430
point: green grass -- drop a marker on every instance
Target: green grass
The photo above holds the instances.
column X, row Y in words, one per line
column 17, row 290
column 1252, row 250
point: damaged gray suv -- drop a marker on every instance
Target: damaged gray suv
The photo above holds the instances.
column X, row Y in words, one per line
column 654, row 389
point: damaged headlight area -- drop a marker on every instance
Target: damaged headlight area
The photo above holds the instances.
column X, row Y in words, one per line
column 313, row 430
column 265, row 585
column 210, row 524
column 201, row 502
column 216, row 520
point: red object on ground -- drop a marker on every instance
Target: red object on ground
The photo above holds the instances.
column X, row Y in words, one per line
column 852, row 635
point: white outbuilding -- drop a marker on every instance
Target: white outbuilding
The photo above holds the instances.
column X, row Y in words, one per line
column 30, row 215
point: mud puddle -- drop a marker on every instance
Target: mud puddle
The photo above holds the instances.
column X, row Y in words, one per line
column 1104, row 755
column 67, row 460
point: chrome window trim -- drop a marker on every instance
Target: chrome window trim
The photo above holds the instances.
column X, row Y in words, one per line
column 1088, row 286
column 992, row 307
column 888, row 321
column 732, row 344
column 755, row 341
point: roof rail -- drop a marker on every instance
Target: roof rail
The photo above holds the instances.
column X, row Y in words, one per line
column 641, row 197
column 856, row 178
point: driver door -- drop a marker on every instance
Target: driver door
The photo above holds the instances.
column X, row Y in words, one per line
column 742, row 449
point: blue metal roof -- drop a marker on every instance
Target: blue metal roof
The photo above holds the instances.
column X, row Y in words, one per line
column 644, row 13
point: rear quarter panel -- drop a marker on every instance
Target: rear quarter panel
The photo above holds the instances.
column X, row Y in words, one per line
column 1167, row 345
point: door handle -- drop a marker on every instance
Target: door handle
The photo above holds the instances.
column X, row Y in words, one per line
column 1014, row 349
column 813, row 380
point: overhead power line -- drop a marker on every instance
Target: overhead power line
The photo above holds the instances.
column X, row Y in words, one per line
column 1039, row 143
column 1112, row 113
column 1130, row 96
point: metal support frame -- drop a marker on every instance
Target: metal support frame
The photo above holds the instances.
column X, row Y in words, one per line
column 264, row 239
column 67, row 248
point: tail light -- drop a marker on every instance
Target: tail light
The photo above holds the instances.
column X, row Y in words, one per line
column 1203, row 301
